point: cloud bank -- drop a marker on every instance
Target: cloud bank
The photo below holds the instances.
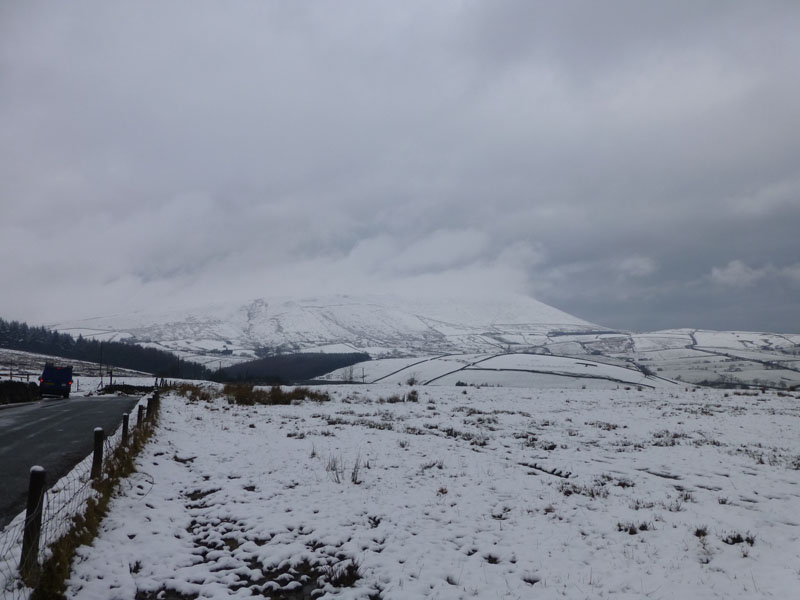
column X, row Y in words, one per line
column 633, row 163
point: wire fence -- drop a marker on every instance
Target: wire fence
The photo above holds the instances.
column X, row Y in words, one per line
column 65, row 500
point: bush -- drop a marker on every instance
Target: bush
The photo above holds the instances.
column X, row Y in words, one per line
column 246, row 394
column 12, row 392
column 192, row 392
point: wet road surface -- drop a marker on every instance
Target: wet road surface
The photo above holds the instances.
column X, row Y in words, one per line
column 53, row 433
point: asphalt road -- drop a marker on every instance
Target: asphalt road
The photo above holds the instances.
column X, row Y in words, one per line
column 54, row 434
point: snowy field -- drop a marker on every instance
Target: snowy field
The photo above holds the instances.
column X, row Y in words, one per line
column 729, row 359
column 506, row 370
column 465, row 493
column 27, row 367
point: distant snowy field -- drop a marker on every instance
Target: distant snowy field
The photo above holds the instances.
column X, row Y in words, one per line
column 506, row 370
column 671, row 494
column 391, row 327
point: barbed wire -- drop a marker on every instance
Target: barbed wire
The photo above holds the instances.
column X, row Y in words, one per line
column 63, row 504
column 65, row 500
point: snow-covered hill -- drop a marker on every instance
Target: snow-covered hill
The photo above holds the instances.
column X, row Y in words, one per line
column 539, row 371
column 379, row 325
column 406, row 330
column 728, row 359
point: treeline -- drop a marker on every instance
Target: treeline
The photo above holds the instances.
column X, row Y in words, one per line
column 21, row 336
column 281, row 369
column 289, row 368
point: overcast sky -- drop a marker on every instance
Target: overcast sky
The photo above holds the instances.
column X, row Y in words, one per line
column 634, row 163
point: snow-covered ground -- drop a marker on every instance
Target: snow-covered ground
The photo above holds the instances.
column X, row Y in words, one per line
column 507, row 370
column 466, row 493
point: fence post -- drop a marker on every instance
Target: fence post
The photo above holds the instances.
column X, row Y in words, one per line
column 140, row 417
column 97, row 459
column 33, row 523
column 124, row 440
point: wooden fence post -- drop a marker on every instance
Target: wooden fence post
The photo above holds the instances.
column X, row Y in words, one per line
column 97, row 459
column 124, row 440
column 140, row 417
column 33, row 523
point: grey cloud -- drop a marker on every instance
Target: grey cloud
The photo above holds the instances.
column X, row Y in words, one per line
column 605, row 157
column 738, row 274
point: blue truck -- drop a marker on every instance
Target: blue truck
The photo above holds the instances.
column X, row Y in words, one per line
column 55, row 381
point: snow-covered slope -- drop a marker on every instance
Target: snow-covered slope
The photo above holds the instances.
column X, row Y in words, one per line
column 725, row 359
column 415, row 327
column 380, row 325
column 508, row 370
column 703, row 357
